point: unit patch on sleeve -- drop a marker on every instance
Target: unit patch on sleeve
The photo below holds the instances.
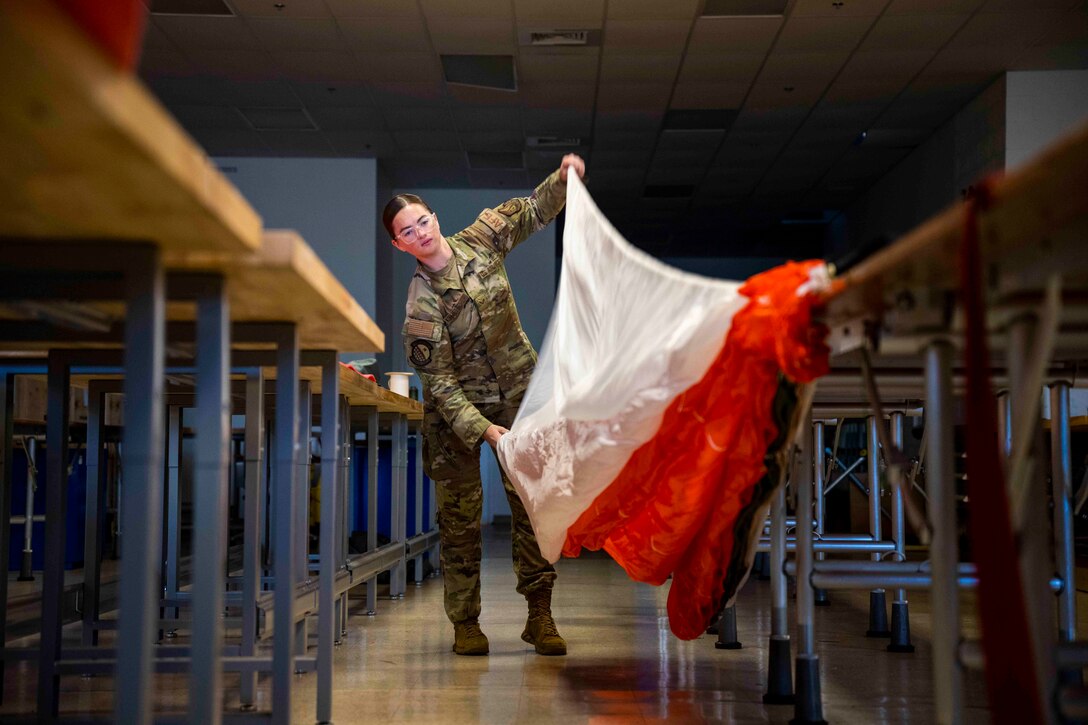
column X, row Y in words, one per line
column 420, row 352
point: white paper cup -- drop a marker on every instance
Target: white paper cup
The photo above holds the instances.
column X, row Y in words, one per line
column 398, row 383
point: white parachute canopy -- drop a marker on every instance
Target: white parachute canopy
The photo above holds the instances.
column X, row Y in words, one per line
column 627, row 336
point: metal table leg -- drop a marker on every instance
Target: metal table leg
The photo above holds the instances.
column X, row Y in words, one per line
column 7, row 432
column 1062, row 471
column 878, row 606
column 331, row 453
column 372, row 503
column 251, row 541
column 173, row 505
column 808, row 705
column 26, row 567
column 210, row 488
column 95, row 514
column 418, row 565
column 141, row 495
column 399, row 498
column 779, row 678
column 56, row 497
column 900, row 630
column 944, row 549
column 283, row 491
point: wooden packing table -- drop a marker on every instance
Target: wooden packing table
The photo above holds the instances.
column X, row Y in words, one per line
column 282, row 281
column 1036, row 225
column 360, row 391
column 90, row 155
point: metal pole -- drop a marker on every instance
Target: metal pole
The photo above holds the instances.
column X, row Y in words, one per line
column 302, row 482
column 7, row 420
column 251, row 536
column 808, row 706
column 399, row 496
column 821, row 598
column 283, row 485
column 878, row 608
column 900, row 629
column 1030, row 510
column 211, row 485
column 94, row 514
column 419, row 501
column 56, row 504
column 372, row 503
column 141, row 493
column 944, row 550
column 331, row 451
column 779, row 678
column 173, row 504
column 26, row 569
column 1062, row 483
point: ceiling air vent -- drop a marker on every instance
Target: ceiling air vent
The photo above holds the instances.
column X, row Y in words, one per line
column 668, row 191
column 189, row 7
column 560, row 38
column 552, row 142
column 495, row 160
column 744, row 8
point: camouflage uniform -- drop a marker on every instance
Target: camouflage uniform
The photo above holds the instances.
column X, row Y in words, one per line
column 463, row 336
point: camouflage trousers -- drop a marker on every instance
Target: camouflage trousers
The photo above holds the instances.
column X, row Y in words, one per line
column 455, row 470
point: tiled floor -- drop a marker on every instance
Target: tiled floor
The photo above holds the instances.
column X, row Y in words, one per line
column 624, row 665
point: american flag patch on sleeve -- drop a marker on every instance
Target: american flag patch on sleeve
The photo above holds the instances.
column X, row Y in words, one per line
column 421, row 328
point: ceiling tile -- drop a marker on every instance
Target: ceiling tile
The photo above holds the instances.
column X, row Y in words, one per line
column 276, row 94
column 473, row 36
column 297, row 143
column 619, row 67
column 549, row 68
column 703, row 95
column 658, row 36
column 863, row 91
column 316, row 66
column 744, row 35
column 372, row 8
column 846, row 114
column 155, row 37
column 720, row 67
column 804, row 68
column 166, row 61
column 817, row 34
column 479, row 96
column 1005, row 6
column 925, row 7
column 912, row 32
column 223, row 33
column 298, row 33
column 558, row 95
column 674, row 175
column 648, row 122
column 406, row 34
column 239, row 65
column 195, row 90
column 768, row 122
column 332, row 94
column 434, row 9
column 347, row 118
column 407, row 94
column 291, row 9
column 362, row 143
column 560, row 13
column 635, row 155
column 826, row 8
column 634, row 96
column 617, row 180
column 199, row 117
column 493, row 141
column 771, row 93
column 557, row 122
column 684, row 158
column 499, row 179
column 418, row 118
column 399, row 67
column 1018, row 29
column 230, row 142
column 652, row 9
column 416, row 141
column 487, row 119
column 893, row 66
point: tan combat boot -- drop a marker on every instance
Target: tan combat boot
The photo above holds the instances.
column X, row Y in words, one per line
column 468, row 639
column 540, row 628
